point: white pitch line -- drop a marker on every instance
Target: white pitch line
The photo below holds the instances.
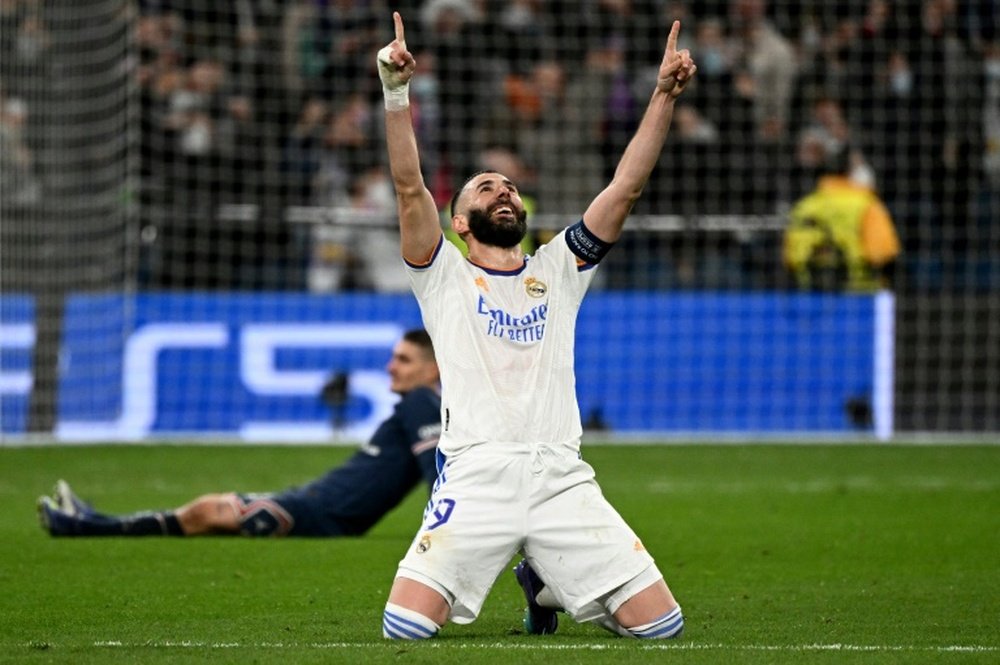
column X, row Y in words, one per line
column 658, row 646
column 825, row 485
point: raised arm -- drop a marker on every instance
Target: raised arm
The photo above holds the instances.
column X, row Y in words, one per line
column 419, row 228
column 606, row 215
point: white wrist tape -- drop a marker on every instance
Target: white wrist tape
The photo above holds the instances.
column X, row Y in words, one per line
column 395, row 91
column 397, row 99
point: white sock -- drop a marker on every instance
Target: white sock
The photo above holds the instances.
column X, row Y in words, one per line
column 669, row 625
column 399, row 623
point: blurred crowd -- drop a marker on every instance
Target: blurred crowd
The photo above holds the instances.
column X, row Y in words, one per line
column 276, row 103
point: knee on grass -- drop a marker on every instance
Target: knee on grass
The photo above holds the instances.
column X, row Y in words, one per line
column 399, row 623
column 668, row 626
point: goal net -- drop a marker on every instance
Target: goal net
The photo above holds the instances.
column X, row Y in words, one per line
column 198, row 235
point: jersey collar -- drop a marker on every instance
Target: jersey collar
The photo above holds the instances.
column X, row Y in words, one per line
column 495, row 271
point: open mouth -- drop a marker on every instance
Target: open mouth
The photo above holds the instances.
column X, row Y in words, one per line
column 502, row 209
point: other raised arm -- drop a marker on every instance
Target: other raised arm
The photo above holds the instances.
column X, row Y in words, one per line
column 606, row 215
column 419, row 227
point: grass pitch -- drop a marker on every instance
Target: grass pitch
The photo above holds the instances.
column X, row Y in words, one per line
column 789, row 554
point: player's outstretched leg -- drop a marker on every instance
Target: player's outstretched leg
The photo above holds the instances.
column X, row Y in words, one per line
column 54, row 520
column 68, row 501
column 538, row 620
column 60, row 523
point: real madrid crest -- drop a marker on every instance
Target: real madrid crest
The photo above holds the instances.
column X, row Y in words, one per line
column 535, row 288
column 424, row 544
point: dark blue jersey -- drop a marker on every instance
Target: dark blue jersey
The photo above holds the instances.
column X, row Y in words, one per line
column 351, row 498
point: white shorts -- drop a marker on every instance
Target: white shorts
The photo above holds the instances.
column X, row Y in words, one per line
column 490, row 503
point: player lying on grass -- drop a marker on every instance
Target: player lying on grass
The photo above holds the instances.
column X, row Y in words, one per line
column 347, row 501
column 504, row 326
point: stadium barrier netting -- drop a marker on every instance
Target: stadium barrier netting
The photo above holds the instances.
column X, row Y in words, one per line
column 198, row 233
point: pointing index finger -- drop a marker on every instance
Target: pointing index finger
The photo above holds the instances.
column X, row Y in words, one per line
column 672, row 38
column 398, row 20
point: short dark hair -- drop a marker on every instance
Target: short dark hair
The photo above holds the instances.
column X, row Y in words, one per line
column 454, row 197
column 838, row 161
column 420, row 337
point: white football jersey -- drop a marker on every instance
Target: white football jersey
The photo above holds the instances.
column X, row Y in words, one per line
column 504, row 343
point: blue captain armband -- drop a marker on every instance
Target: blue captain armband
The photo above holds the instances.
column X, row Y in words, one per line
column 585, row 244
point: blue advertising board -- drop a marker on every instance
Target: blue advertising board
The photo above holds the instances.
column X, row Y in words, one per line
column 252, row 365
column 246, row 365
column 17, row 342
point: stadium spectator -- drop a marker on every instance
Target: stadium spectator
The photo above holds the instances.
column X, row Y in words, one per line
column 947, row 108
column 25, row 48
column 302, row 151
column 525, row 34
column 876, row 59
column 194, row 109
column 711, row 92
column 769, row 59
column 987, row 236
column 346, row 501
column 876, row 34
column 551, row 123
column 723, row 98
column 20, row 188
column 765, row 68
column 427, row 123
column 458, row 37
column 347, row 30
column 513, row 478
column 991, row 114
column 347, row 149
column 352, row 258
column 377, row 247
column 840, row 236
column 159, row 76
column 827, row 133
column 689, row 166
column 238, row 135
column 303, row 49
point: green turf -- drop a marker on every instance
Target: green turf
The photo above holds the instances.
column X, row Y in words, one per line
column 789, row 554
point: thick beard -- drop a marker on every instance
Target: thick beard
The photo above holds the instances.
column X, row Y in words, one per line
column 502, row 233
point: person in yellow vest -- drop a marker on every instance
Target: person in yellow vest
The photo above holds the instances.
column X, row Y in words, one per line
column 840, row 236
